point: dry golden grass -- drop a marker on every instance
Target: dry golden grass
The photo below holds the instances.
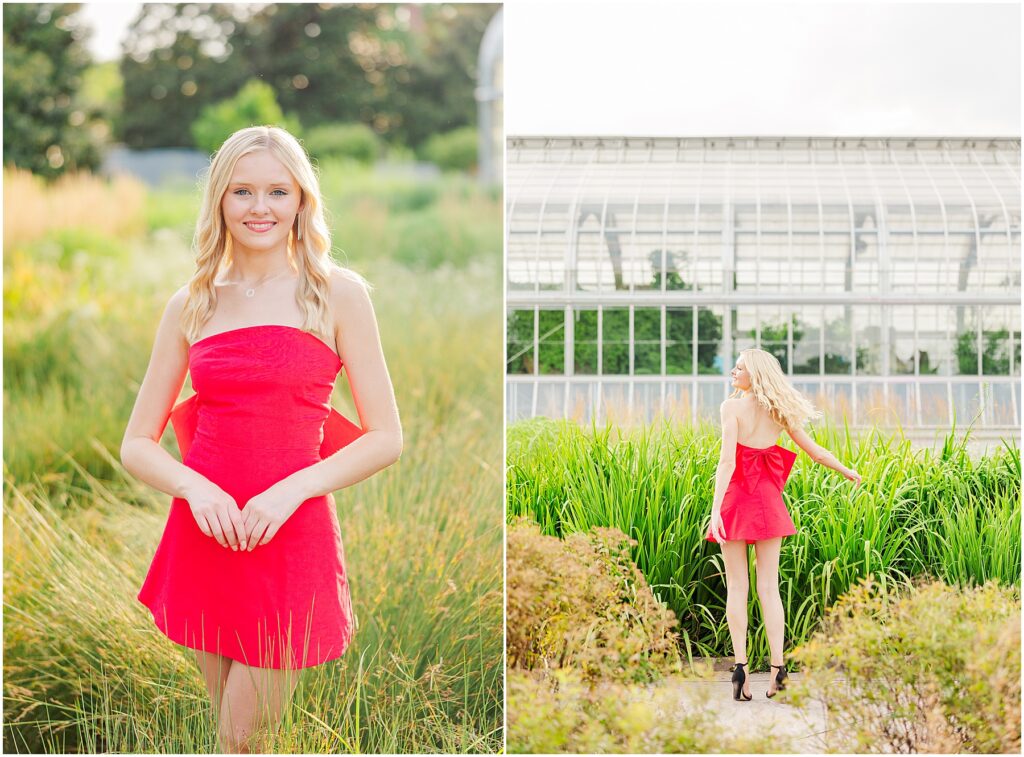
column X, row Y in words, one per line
column 76, row 200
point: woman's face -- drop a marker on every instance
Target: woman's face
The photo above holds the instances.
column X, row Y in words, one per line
column 261, row 202
column 740, row 376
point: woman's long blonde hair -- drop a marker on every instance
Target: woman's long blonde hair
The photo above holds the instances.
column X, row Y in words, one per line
column 309, row 253
column 772, row 390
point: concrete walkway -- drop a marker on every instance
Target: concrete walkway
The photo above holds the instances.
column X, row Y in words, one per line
column 805, row 727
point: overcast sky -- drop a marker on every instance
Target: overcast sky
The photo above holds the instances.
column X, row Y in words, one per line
column 728, row 68
column 681, row 69
column 109, row 22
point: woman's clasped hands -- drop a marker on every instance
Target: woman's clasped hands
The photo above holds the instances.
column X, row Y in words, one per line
column 218, row 516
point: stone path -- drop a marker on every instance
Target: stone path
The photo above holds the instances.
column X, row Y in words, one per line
column 805, row 726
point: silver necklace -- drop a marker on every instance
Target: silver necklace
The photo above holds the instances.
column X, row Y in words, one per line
column 251, row 291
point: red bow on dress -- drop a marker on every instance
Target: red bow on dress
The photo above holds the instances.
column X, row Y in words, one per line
column 775, row 461
column 339, row 431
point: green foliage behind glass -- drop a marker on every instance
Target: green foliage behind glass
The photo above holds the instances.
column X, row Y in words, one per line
column 995, row 352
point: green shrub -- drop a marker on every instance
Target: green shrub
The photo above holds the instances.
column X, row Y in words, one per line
column 927, row 668
column 582, row 603
column 254, row 105
column 454, row 150
column 354, row 141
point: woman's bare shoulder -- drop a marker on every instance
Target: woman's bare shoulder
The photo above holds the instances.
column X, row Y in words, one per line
column 349, row 298
column 345, row 284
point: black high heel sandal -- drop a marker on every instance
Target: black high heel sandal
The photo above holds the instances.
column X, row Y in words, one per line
column 780, row 680
column 739, row 676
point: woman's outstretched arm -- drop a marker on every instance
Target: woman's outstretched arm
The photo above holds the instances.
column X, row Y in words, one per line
column 821, row 455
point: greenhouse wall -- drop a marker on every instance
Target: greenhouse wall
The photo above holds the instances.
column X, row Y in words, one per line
column 884, row 274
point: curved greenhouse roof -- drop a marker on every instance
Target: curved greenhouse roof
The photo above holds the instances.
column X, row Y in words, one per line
column 883, row 273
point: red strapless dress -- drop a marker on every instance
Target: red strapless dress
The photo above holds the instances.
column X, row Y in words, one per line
column 753, row 508
column 261, row 411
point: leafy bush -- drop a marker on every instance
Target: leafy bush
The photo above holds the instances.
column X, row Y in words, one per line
column 353, row 141
column 577, row 718
column 454, row 150
column 927, row 668
column 582, row 602
column 254, row 105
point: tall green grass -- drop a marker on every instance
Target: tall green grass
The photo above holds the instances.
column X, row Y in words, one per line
column 918, row 512
column 85, row 669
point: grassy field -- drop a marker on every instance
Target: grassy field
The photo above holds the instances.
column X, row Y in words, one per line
column 935, row 513
column 85, row 669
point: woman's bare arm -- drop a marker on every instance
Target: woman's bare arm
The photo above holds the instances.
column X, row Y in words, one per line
column 360, row 350
column 727, row 455
column 819, row 454
column 141, row 453
column 215, row 511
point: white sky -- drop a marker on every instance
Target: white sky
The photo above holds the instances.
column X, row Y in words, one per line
column 739, row 69
column 109, row 22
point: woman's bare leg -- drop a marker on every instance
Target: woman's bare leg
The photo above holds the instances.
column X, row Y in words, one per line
column 766, row 552
column 737, row 583
column 255, row 700
column 214, row 668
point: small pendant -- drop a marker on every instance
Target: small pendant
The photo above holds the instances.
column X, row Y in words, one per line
column 250, row 292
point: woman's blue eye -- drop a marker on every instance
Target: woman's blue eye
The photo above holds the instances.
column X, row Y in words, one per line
column 246, row 190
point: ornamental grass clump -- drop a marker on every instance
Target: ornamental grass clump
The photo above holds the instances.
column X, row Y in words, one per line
column 581, row 602
column 925, row 668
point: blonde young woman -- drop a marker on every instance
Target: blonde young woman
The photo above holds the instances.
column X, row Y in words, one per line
column 250, row 571
column 748, row 506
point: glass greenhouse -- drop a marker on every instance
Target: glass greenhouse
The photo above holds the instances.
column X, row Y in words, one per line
column 884, row 274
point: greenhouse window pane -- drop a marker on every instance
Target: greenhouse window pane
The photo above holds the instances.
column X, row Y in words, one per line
column 709, row 341
column 901, row 340
column 773, row 324
column 585, row 338
column 999, row 329
column 1002, row 404
column 935, row 350
column 644, row 260
column 615, row 342
column 551, row 338
column 710, row 398
column 551, row 399
column 679, row 341
column 838, row 343
column 967, row 343
column 647, row 341
column 867, row 327
column 967, row 402
column 934, row 404
column 807, row 335
column 519, row 327
column 582, row 400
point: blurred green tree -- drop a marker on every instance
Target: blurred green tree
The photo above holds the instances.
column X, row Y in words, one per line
column 177, row 61
column 254, row 105
column 407, row 71
column 434, row 92
column 47, row 128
